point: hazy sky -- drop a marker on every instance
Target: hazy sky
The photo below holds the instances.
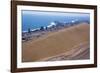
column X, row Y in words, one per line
column 51, row 13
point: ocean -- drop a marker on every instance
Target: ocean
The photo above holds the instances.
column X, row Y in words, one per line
column 36, row 19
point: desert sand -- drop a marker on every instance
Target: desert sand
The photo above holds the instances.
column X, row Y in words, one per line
column 68, row 43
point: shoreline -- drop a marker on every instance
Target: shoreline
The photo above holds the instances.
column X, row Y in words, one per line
column 27, row 36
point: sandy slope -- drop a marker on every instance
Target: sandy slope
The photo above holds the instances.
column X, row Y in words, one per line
column 79, row 52
column 55, row 43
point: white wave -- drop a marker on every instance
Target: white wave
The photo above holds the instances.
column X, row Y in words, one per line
column 51, row 24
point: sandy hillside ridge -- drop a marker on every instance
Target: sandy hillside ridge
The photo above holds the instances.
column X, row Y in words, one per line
column 55, row 43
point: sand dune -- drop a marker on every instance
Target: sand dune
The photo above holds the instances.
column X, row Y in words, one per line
column 78, row 52
column 55, row 43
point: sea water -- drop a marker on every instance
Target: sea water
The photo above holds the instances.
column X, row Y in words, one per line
column 35, row 19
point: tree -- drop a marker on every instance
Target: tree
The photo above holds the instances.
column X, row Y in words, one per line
column 42, row 28
column 29, row 30
column 46, row 28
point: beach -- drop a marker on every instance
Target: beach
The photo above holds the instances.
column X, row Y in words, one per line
column 70, row 43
